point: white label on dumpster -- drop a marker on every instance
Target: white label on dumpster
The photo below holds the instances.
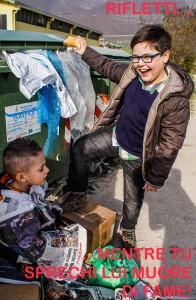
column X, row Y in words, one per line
column 21, row 120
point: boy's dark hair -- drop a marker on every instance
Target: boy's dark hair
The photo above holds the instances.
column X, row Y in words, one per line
column 16, row 156
column 155, row 35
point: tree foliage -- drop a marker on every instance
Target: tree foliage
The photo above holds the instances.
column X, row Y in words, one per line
column 182, row 28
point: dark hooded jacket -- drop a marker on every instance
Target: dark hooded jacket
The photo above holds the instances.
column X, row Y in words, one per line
column 167, row 120
column 23, row 217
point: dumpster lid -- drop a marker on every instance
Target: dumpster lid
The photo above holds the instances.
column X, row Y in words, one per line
column 114, row 53
column 16, row 40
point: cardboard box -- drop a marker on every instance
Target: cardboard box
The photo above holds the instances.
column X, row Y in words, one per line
column 19, row 292
column 99, row 222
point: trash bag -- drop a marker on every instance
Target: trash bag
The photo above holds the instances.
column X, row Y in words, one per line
column 112, row 273
column 80, row 88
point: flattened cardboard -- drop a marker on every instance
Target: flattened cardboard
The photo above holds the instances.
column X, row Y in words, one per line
column 19, row 292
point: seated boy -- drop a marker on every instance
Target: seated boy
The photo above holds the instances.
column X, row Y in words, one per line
column 23, row 210
column 26, row 218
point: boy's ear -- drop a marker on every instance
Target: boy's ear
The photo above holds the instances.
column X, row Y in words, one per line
column 20, row 177
column 166, row 56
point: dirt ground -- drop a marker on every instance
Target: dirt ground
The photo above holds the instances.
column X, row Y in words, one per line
column 168, row 217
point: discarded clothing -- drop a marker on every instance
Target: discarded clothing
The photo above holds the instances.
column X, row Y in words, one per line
column 66, row 104
column 35, row 71
column 53, row 100
column 33, row 75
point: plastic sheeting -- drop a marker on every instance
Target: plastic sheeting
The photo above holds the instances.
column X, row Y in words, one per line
column 80, row 88
column 108, row 270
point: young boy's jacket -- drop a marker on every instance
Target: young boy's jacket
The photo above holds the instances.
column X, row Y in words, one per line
column 22, row 218
column 167, row 119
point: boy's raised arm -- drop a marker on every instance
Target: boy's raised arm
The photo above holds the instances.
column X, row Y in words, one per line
column 102, row 64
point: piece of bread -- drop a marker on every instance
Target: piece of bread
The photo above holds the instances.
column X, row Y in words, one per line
column 72, row 41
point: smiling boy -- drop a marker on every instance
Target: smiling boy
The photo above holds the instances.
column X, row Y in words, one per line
column 145, row 123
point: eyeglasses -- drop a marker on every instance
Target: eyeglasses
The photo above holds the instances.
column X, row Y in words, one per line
column 147, row 58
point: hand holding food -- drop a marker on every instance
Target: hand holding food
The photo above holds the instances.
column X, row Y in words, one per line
column 72, row 41
column 78, row 43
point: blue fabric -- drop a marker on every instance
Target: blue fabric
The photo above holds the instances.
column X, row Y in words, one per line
column 57, row 63
column 48, row 104
column 49, row 113
column 131, row 125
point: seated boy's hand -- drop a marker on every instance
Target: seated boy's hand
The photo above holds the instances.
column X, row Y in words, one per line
column 150, row 188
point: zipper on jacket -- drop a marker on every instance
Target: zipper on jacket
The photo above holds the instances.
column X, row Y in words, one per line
column 150, row 126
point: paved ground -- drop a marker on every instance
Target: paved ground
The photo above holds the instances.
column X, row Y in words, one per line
column 168, row 217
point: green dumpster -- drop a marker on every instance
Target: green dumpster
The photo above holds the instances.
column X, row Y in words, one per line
column 10, row 96
column 103, row 85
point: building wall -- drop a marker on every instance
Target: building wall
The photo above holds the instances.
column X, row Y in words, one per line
column 29, row 27
column 10, row 10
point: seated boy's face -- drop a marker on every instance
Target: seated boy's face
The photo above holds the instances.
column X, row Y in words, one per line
column 38, row 171
column 150, row 72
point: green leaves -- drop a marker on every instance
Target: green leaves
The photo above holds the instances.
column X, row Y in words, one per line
column 182, row 28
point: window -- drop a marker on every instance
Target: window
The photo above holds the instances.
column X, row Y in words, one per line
column 94, row 36
column 3, row 21
column 41, row 21
column 80, row 31
column 30, row 17
column 60, row 26
column 66, row 27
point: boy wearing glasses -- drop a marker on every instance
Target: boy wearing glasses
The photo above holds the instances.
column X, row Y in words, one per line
column 145, row 123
